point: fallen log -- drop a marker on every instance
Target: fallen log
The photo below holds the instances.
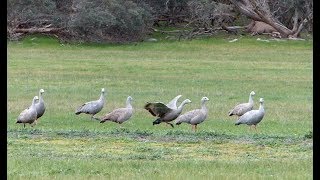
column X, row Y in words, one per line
column 37, row 30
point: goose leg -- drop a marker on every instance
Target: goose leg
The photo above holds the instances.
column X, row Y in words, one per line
column 96, row 119
column 195, row 128
column 192, row 126
column 92, row 117
column 120, row 124
column 170, row 125
column 24, row 125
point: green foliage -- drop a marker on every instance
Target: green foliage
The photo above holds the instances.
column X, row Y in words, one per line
column 83, row 21
column 109, row 21
column 209, row 13
column 33, row 13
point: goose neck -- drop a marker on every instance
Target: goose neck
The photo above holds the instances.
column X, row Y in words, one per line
column 40, row 97
column 181, row 105
column 261, row 108
column 250, row 99
column 203, row 105
column 33, row 102
column 128, row 103
column 102, row 97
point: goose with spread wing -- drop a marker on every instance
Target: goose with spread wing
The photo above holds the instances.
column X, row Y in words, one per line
column 173, row 103
column 165, row 113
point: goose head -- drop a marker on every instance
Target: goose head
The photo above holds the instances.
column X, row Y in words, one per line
column 35, row 99
column 204, row 99
column 102, row 90
column 187, row 101
column 261, row 100
column 252, row 93
column 41, row 91
column 129, row 98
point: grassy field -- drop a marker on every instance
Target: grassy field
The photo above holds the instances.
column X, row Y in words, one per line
column 63, row 145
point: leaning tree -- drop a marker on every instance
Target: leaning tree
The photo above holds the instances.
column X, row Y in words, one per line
column 271, row 12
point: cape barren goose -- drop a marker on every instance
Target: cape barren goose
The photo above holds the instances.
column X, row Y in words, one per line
column 240, row 109
column 196, row 116
column 120, row 115
column 92, row 107
column 40, row 107
column 165, row 113
column 28, row 115
column 253, row 117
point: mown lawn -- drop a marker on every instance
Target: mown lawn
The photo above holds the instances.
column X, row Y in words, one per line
column 63, row 145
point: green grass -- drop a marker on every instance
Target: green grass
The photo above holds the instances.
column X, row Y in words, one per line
column 63, row 145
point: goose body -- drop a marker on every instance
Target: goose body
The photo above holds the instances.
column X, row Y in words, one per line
column 196, row 116
column 240, row 109
column 92, row 107
column 252, row 117
column 120, row 115
column 163, row 112
column 28, row 115
column 40, row 106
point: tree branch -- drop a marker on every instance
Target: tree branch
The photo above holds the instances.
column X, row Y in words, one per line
column 304, row 22
column 37, row 30
column 243, row 7
column 295, row 20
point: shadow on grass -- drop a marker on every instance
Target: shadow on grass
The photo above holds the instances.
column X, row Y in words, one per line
column 178, row 136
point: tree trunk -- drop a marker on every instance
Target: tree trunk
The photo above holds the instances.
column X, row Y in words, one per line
column 296, row 34
column 295, row 20
column 255, row 12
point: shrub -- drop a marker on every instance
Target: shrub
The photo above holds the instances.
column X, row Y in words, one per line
column 82, row 20
column 108, row 21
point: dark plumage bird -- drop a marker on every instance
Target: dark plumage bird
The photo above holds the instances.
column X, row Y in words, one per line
column 240, row 109
column 120, row 115
column 92, row 107
column 196, row 116
column 253, row 117
column 163, row 112
column 28, row 115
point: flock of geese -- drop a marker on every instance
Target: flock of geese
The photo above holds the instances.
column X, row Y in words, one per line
column 164, row 112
